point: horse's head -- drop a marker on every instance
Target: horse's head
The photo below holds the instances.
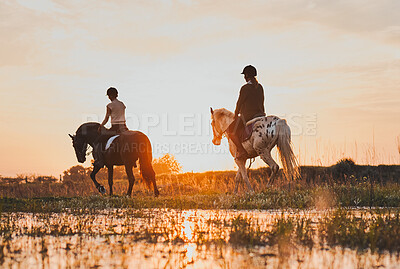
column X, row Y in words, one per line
column 217, row 136
column 220, row 120
column 86, row 134
column 80, row 146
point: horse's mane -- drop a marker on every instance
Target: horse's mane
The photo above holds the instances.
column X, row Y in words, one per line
column 220, row 112
column 85, row 127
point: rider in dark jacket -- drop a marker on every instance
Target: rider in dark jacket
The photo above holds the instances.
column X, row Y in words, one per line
column 249, row 106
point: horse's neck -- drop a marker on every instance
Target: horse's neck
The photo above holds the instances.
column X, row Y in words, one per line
column 92, row 138
column 225, row 122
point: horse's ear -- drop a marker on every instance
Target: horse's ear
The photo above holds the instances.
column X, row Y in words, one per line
column 211, row 110
column 72, row 137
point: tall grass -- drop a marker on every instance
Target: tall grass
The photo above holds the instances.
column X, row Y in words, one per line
column 344, row 184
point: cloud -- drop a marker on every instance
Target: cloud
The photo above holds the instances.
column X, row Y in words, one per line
column 40, row 5
column 339, row 59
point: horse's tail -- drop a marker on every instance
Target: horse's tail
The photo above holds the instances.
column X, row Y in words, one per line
column 145, row 162
column 288, row 159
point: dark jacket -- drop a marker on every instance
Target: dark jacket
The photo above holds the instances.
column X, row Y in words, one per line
column 251, row 101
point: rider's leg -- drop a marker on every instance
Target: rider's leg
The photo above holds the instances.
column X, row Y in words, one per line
column 114, row 130
column 118, row 128
column 124, row 128
column 234, row 132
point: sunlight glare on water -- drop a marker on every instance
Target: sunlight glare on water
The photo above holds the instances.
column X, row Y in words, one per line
column 187, row 225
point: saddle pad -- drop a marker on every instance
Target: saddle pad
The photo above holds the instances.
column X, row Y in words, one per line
column 255, row 119
column 110, row 140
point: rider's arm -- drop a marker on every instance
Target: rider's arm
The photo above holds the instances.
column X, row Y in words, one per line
column 108, row 114
column 242, row 97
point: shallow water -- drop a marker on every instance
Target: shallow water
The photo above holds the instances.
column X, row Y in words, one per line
column 163, row 238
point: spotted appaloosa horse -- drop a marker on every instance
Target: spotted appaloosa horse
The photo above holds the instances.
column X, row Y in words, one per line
column 267, row 132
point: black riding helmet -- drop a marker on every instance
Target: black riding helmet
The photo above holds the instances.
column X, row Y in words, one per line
column 112, row 91
column 250, row 71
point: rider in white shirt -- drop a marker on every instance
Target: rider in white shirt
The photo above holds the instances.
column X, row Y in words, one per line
column 115, row 110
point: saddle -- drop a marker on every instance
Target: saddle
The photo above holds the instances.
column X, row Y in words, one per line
column 109, row 137
column 248, row 128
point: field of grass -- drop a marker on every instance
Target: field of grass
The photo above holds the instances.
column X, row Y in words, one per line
column 342, row 185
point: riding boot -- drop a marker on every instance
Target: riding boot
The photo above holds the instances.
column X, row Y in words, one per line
column 241, row 153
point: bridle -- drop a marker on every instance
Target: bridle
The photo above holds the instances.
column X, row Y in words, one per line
column 218, row 134
column 83, row 150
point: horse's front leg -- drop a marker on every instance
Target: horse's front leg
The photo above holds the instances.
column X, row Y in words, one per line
column 243, row 172
column 99, row 187
column 237, row 179
column 110, row 178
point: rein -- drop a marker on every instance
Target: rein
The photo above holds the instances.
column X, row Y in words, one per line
column 88, row 152
column 221, row 134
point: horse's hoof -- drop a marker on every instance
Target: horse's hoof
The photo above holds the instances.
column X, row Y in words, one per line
column 101, row 189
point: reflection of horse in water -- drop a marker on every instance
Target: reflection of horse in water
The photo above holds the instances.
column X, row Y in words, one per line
column 267, row 132
column 125, row 149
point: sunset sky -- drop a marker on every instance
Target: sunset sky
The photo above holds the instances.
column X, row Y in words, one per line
column 331, row 68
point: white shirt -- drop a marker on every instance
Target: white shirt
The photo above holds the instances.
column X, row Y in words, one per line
column 117, row 111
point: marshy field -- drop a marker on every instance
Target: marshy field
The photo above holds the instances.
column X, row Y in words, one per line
column 343, row 216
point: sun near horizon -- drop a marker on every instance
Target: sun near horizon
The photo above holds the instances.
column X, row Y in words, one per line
column 331, row 69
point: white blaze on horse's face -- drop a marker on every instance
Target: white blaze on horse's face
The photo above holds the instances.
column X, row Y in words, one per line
column 216, row 138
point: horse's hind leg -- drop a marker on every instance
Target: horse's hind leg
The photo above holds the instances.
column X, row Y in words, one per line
column 150, row 178
column 267, row 158
column 156, row 192
column 131, row 178
column 110, row 178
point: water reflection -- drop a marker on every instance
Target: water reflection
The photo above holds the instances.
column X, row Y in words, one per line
column 162, row 238
column 187, row 231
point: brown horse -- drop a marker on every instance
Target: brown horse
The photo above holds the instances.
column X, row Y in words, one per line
column 125, row 150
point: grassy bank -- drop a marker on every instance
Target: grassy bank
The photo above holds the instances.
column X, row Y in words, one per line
column 297, row 197
column 342, row 185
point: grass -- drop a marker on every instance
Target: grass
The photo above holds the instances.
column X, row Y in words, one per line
column 378, row 232
column 297, row 197
column 344, row 184
column 78, row 183
column 245, row 233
